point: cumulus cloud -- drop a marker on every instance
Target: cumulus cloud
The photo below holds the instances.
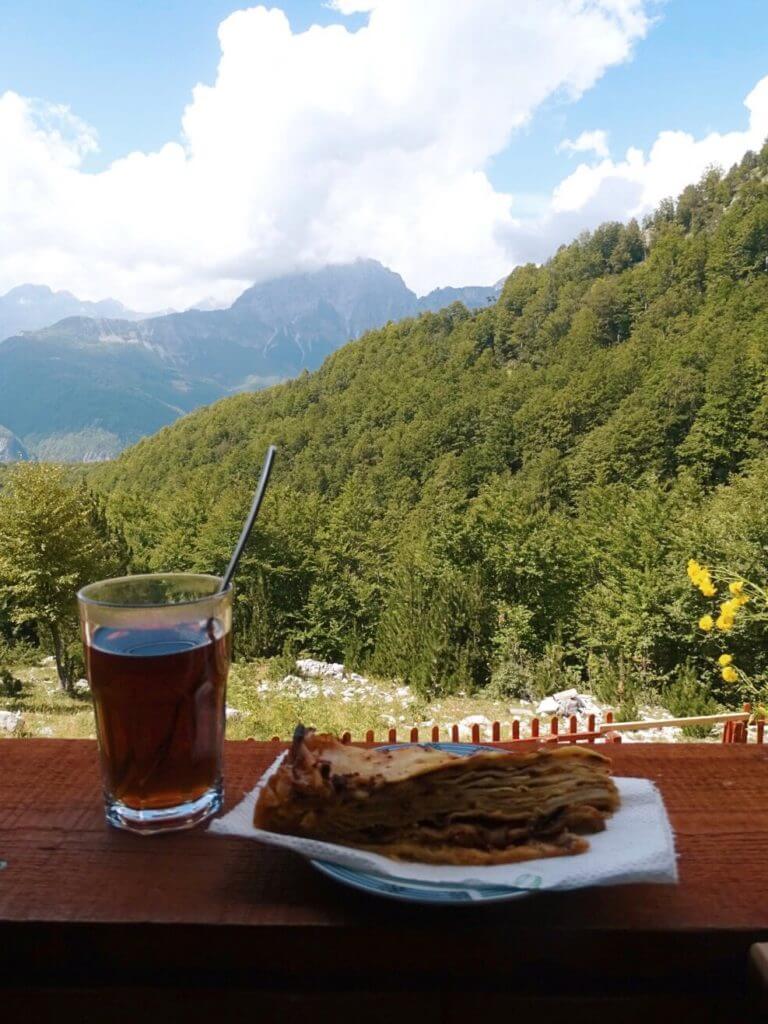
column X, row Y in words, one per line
column 675, row 160
column 309, row 147
column 588, row 142
column 634, row 186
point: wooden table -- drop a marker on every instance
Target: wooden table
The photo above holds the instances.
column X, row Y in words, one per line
column 114, row 927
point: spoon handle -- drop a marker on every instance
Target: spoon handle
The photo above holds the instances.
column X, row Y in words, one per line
column 266, row 469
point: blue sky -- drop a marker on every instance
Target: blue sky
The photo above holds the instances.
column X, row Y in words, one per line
column 126, row 69
column 125, row 66
column 692, row 72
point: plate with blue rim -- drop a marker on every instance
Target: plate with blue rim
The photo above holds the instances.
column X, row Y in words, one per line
column 408, row 890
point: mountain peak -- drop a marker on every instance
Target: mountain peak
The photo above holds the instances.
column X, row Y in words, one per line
column 360, row 295
column 124, row 379
column 11, row 448
column 29, row 307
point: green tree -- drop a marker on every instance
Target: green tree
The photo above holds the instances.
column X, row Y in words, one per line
column 54, row 538
column 518, row 486
column 345, row 598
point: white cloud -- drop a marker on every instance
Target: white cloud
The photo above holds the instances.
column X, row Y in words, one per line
column 351, row 6
column 676, row 159
column 588, row 142
column 634, row 186
column 309, row 147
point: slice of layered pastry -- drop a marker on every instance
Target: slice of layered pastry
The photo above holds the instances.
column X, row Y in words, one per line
column 420, row 803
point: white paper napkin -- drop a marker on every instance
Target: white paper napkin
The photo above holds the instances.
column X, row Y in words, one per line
column 637, row 846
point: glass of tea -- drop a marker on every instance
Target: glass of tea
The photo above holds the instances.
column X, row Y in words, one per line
column 157, row 651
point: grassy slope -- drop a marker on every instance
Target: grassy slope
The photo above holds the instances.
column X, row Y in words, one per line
column 265, row 708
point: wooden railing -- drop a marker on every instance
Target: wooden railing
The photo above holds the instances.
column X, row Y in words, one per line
column 554, row 730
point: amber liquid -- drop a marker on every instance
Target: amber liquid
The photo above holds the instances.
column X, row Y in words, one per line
column 159, row 697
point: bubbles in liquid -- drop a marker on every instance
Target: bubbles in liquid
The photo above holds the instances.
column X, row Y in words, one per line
column 151, row 642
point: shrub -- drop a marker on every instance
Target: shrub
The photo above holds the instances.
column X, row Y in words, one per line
column 686, row 697
column 282, row 665
column 10, row 686
column 521, row 674
column 619, row 685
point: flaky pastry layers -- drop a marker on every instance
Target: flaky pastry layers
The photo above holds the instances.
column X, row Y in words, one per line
column 422, row 804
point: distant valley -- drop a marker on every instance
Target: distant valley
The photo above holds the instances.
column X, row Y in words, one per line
column 96, row 380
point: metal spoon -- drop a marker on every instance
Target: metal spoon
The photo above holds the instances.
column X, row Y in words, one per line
column 261, row 487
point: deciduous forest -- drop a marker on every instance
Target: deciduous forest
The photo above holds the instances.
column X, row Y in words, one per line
column 503, row 498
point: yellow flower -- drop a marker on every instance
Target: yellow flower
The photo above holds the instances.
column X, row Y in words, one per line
column 729, row 608
column 699, row 577
column 730, row 675
column 724, row 622
column 706, row 622
column 743, row 599
column 724, row 660
column 736, row 587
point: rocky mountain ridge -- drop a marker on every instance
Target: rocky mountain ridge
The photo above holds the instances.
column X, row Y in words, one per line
column 86, row 386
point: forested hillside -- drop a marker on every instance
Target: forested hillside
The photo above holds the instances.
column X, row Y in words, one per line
column 85, row 387
column 508, row 493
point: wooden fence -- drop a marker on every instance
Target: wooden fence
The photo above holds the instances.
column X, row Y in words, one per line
column 554, row 730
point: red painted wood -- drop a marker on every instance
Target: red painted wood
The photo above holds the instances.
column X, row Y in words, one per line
column 573, row 725
column 414, row 735
column 591, row 726
column 609, row 716
column 761, row 730
column 495, row 732
column 369, row 737
column 475, row 733
column 554, row 725
column 346, row 737
column 435, row 733
column 516, row 729
column 454, row 734
column 392, row 736
column 84, row 907
column 534, row 728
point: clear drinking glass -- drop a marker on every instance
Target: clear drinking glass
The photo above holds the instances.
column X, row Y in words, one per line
column 157, row 652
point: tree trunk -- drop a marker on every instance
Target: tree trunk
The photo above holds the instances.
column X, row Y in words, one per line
column 62, row 667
